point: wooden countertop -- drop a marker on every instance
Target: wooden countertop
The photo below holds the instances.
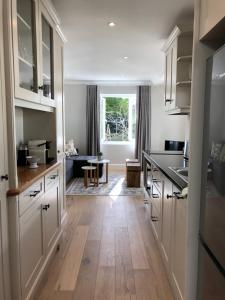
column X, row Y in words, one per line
column 26, row 177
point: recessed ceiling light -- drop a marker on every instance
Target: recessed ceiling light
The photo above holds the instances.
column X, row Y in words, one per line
column 125, row 57
column 111, row 24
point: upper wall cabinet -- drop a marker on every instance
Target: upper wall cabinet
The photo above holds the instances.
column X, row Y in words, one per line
column 25, row 50
column 33, row 36
column 178, row 68
column 212, row 19
column 47, row 59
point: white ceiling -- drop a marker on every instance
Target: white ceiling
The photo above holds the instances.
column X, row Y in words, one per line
column 94, row 51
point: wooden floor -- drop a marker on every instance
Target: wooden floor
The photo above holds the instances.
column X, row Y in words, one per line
column 108, row 252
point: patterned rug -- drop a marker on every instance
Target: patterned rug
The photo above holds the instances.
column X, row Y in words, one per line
column 116, row 186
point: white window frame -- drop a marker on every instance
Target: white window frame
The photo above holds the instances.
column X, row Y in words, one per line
column 132, row 100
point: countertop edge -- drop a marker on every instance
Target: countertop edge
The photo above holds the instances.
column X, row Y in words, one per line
column 148, row 156
column 16, row 191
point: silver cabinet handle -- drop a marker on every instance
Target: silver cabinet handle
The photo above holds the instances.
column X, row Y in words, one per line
column 156, row 180
column 4, row 177
column 34, row 194
column 46, row 206
column 178, row 195
column 155, row 196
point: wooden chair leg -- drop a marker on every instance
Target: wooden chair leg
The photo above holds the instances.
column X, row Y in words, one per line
column 91, row 176
column 86, row 178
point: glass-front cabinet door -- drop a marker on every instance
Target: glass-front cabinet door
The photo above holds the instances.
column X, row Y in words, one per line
column 47, row 58
column 25, row 48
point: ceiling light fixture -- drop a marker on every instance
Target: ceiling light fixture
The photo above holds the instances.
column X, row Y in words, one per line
column 125, row 57
column 111, row 24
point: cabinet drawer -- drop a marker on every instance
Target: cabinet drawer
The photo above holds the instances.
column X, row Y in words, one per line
column 156, row 220
column 51, row 178
column 156, row 198
column 157, row 178
column 30, row 195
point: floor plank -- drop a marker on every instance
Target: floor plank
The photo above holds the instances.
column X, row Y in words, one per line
column 68, row 275
column 85, row 287
column 125, row 283
column 105, row 284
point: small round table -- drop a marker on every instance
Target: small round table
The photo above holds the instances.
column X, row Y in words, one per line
column 97, row 163
column 88, row 169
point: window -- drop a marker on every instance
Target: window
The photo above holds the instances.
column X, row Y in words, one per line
column 118, row 118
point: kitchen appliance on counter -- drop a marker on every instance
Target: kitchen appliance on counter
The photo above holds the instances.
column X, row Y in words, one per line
column 40, row 150
column 211, row 277
column 186, row 149
column 174, row 145
column 22, row 154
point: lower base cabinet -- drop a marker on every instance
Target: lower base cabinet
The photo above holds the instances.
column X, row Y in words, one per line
column 31, row 246
column 35, row 232
column 178, row 248
column 167, row 213
column 168, row 220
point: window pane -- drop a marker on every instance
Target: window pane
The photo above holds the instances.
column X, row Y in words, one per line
column 133, row 120
column 116, row 119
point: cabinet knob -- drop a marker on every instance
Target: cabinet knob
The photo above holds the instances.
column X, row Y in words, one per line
column 4, row 177
column 46, row 206
column 169, row 196
column 168, row 100
column 41, row 87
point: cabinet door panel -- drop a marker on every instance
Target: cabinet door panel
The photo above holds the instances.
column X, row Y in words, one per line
column 51, row 215
column 31, row 245
column 173, row 74
column 179, row 244
column 156, row 211
column 168, row 79
column 25, row 50
column 167, row 206
column 47, row 57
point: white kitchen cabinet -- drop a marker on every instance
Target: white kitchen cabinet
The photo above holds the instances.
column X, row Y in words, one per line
column 178, row 250
column 35, row 232
column 211, row 14
column 31, row 246
column 33, row 52
column 51, row 215
column 25, row 49
column 60, row 116
column 47, row 33
column 167, row 217
column 168, row 222
column 178, row 53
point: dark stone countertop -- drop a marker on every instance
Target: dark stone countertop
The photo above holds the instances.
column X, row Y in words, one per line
column 165, row 159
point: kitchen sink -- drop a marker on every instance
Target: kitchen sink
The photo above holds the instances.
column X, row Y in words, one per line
column 181, row 172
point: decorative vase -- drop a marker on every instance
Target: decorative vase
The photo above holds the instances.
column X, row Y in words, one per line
column 99, row 157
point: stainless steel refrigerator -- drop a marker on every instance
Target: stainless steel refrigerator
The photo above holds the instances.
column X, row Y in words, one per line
column 211, row 277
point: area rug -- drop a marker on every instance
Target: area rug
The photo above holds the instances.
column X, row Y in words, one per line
column 115, row 187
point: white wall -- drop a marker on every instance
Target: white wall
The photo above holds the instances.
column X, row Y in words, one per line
column 164, row 126
column 75, row 115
